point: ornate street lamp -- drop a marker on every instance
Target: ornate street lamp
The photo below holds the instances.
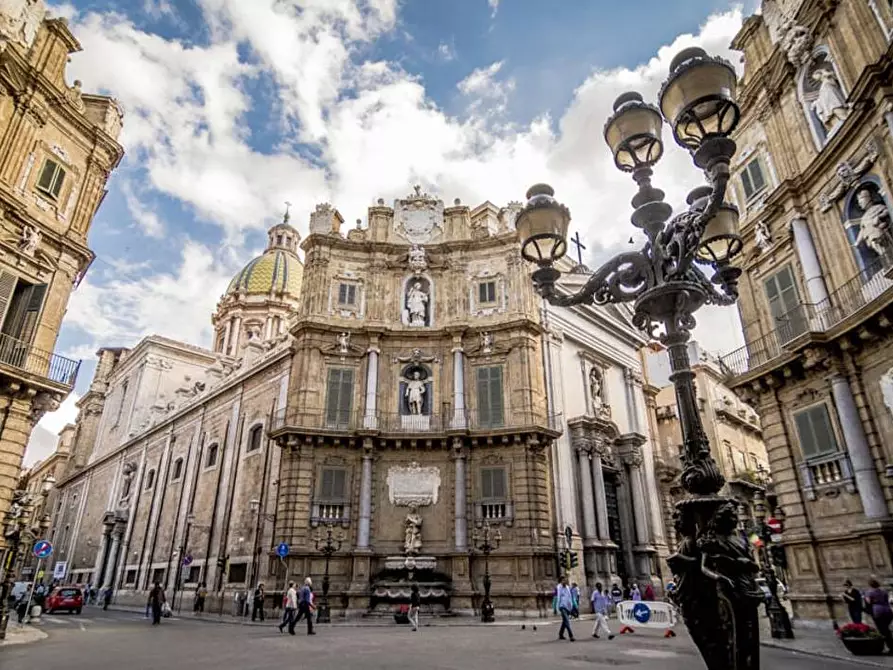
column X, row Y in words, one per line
column 779, row 620
column 328, row 545
column 666, row 282
column 485, row 543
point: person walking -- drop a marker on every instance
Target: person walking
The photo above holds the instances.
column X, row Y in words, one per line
column 156, row 602
column 879, row 601
column 648, row 593
column 106, row 598
column 853, row 599
column 305, row 607
column 415, row 601
column 564, row 598
column 200, row 594
column 575, row 592
column 601, row 606
column 257, row 603
column 291, row 607
column 635, row 595
column 616, row 595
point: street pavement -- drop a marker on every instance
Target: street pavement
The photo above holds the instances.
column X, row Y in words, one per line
column 126, row 640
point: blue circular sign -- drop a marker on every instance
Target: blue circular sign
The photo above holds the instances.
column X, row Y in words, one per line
column 42, row 549
column 187, row 560
column 641, row 612
column 282, row 550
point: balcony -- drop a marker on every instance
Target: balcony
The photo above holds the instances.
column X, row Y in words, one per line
column 854, row 301
column 18, row 358
column 494, row 511
column 330, row 512
column 832, row 470
column 324, row 422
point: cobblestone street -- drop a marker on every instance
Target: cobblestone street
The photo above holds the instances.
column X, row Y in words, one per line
column 126, row 640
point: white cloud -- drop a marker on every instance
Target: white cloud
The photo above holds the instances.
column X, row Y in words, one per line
column 494, row 7
column 145, row 218
column 446, row 52
column 372, row 125
column 44, row 436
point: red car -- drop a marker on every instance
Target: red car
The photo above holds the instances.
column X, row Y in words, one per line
column 68, row 598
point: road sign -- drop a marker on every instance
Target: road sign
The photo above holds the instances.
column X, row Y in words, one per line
column 187, row 560
column 775, row 537
column 282, row 550
column 774, row 525
column 42, row 549
column 60, row 570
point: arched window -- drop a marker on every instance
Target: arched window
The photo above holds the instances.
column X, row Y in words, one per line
column 211, row 458
column 178, row 470
column 150, row 479
column 255, row 435
column 821, row 93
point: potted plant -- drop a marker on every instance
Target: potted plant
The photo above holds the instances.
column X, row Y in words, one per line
column 861, row 639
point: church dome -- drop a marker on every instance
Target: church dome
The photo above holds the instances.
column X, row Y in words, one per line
column 277, row 270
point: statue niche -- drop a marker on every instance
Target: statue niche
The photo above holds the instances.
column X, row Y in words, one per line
column 417, row 302
column 823, row 98
column 415, row 399
column 867, row 220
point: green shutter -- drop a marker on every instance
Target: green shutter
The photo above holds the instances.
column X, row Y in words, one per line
column 326, row 492
column 486, row 483
column 57, row 183
column 338, row 484
column 491, row 410
column 756, row 175
column 32, row 312
column 45, row 182
column 7, row 287
column 815, row 432
column 339, row 396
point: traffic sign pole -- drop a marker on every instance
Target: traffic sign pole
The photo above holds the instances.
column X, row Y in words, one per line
column 31, row 595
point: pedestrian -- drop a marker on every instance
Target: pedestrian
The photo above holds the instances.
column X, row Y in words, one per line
column 878, row 600
column 291, row 608
column 635, row 594
column 601, row 605
column 257, row 604
column 305, row 606
column 853, row 599
column 648, row 594
column 415, row 601
column 106, row 598
column 565, row 601
column 200, row 594
column 575, row 592
column 616, row 595
column 156, row 602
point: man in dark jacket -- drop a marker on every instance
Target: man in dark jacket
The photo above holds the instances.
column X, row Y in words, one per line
column 257, row 603
column 156, row 601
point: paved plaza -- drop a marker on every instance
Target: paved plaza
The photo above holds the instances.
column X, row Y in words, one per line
column 125, row 640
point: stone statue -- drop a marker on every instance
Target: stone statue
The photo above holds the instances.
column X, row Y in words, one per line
column 30, row 240
column 343, row 343
column 797, row 45
column 486, row 343
column 595, row 388
column 415, row 393
column 413, row 539
column 253, row 332
column 417, row 305
column 20, row 20
column 417, row 260
column 873, row 222
column 830, row 106
column 763, row 236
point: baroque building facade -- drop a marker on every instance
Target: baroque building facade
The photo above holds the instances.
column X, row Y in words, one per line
column 392, row 386
column 812, row 181
column 58, row 146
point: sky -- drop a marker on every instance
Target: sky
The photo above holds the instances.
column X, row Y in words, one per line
column 235, row 107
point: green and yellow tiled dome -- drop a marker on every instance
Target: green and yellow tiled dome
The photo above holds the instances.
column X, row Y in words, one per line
column 276, row 271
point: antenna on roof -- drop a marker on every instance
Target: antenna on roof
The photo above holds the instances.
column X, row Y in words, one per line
column 287, row 216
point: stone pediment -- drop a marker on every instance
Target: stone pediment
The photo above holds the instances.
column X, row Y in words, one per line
column 418, row 217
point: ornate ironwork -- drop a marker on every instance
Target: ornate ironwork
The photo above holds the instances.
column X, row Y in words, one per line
column 487, row 543
column 327, row 546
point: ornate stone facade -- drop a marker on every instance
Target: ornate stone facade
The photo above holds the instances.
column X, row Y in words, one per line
column 814, row 168
column 57, row 154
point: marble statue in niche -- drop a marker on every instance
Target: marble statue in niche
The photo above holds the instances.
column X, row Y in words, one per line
column 415, row 391
column 29, row 240
column 830, row 105
column 868, row 219
column 596, row 384
column 417, row 303
column 412, row 542
column 763, row 236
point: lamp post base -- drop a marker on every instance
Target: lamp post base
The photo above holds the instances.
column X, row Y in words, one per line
column 779, row 620
column 322, row 613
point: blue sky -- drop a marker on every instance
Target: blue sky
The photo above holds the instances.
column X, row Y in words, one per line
column 233, row 107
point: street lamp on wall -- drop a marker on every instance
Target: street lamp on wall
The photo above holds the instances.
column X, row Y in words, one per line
column 667, row 281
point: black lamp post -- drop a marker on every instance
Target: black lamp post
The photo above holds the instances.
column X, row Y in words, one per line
column 487, row 542
column 181, row 558
column 666, row 282
column 328, row 545
column 779, row 620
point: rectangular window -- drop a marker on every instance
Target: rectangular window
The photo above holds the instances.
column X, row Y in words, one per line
column 21, row 303
column 784, row 304
column 491, row 411
column 333, row 484
column 51, row 178
column 347, row 294
column 121, row 404
column 752, row 178
column 487, row 292
column 815, row 431
column 178, row 470
column 211, row 458
column 150, row 479
column 195, row 573
column 158, row 576
column 339, row 397
column 238, row 573
column 494, row 484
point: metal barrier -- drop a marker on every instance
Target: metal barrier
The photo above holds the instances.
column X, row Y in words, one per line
column 646, row 614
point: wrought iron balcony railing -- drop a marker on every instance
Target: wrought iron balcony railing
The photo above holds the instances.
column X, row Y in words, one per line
column 31, row 360
column 320, row 420
column 867, row 288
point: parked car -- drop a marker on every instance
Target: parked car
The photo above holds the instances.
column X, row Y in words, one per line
column 69, row 598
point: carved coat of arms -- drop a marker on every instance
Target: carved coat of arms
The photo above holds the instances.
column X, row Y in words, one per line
column 419, row 217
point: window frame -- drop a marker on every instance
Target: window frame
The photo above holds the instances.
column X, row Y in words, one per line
column 490, row 469
column 54, row 190
column 256, row 429
column 320, row 489
column 482, row 286
column 835, row 438
column 490, row 421
column 746, row 172
column 350, row 288
column 150, row 480
column 213, row 448
column 242, row 565
column 177, row 470
column 342, row 416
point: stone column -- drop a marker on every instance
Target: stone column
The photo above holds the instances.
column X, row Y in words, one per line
column 237, row 329
column 867, row 481
column 227, row 329
column 459, row 419
column 643, row 538
column 461, row 510
column 370, row 420
column 588, row 502
column 365, row 498
column 99, row 568
column 109, row 577
column 601, row 498
column 888, row 119
column 809, row 259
